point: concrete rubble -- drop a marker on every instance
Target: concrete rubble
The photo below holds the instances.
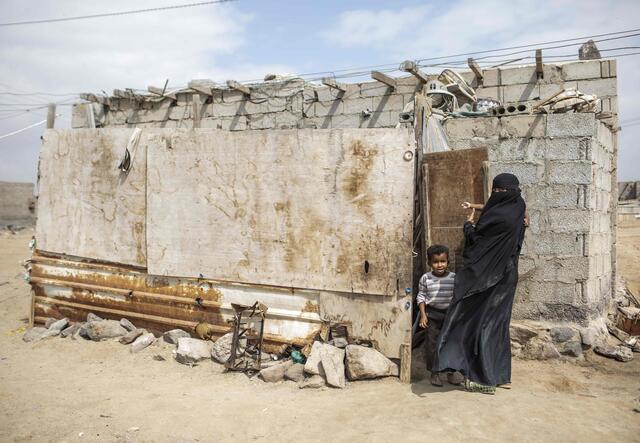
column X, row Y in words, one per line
column 332, row 360
column 275, row 373
column 103, row 329
column 313, row 382
column 221, row 350
column 131, row 336
column 295, row 372
column 127, row 324
column 173, row 335
column 365, row 363
column 142, row 342
column 192, row 350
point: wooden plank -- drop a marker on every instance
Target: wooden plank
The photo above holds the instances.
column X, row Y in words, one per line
column 477, row 70
column 196, row 111
column 238, row 87
column 426, row 211
column 405, row 363
column 384, row 78
column 332, row 83
column 268, row 215
column 453, row 177
column 51, row 115
column 410, row 67
column 539, row 66
column 162, row 93
column 201, row 88
column 86, row 207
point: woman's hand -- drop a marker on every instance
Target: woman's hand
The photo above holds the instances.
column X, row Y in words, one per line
column 466, row 205
column 423, row 321
column 471, row 215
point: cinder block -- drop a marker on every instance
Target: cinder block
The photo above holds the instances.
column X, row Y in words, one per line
column 613, row 69
column 356, row 105
column 547, row 90
column 467, row 128
column 375, row 89
column 571, row 125
column 552, row 292
column 552, row 196
column 520, row 93
column 565, row 148
column 522, row 126
column 491, row 143
column 393, row 102
column 287, row 120
column 285, row 88
column 581, row 70
column 321, row 109
column 569, row 220
column 262, row 121
column 326, row 94
column 231, row 96
column 605, row 87
column 561, row 269
column 509, row 149
column 79, row 115
column 410, row 84
column 551, row 74
column 490, row 77
column 384, row 119
column 518, row 75
column 115, row 118
column 227, row 109
column 576, row 172
column 315, row 123
column 527, row 173
column 556, row 244
column 488, row 92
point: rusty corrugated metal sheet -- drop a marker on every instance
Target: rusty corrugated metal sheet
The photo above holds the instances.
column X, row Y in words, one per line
column 70, row 287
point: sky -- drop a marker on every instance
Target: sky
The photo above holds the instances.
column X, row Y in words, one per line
column 245, row 39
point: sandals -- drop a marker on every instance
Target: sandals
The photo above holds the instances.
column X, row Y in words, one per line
column 472, row 386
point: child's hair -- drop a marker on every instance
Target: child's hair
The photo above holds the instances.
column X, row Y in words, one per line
column 437, row 250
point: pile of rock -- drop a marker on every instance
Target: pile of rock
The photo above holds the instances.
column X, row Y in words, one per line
column 94, row 328
column 543, row 341
column 328, row 365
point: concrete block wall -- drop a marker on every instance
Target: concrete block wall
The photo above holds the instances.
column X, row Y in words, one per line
column 17, row 204
column 295, row 103
column 566, row 164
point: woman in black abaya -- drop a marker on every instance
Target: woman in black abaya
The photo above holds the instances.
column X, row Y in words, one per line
column 475, row 334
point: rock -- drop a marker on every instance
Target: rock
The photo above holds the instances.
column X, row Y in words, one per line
column 34, row 334
column 314, row 361
column 127, row 324
column 561, row 334
column 49, row 321
column 589, row 336
column 275, row 373
column 333, row 365
column 315, row 381
column 131, row 336
column 364, row 363
column 516, row 349
column 295, row 372
column 192, row 350
column 572, row 348
column 142, row 342
column 620, row 353
column 636, row 405
column 521, row 333
column 93, row 317
column 221, row 351
column 173, row 335
column 71, row 330
column 104, row 329
column 538, row 349
column 58, row 325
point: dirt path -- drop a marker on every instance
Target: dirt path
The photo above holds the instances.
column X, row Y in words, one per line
column 65, row 390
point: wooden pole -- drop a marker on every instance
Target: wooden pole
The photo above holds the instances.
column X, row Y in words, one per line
column 477, row 70
column 383, row 78
column 412, row 68
column 539, row 68
column 195, row 104
column 51, row 115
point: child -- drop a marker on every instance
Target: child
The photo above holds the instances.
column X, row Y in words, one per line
column 434, row 296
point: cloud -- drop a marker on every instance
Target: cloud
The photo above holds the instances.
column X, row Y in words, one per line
column 419, row 32
column 102, row 54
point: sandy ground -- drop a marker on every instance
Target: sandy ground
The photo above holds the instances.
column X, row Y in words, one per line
column 65, row 390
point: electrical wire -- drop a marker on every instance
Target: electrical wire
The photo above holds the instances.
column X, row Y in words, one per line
column 114, row 14
column 23, row 129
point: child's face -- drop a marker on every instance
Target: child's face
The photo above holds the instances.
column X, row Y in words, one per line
column 439, row 263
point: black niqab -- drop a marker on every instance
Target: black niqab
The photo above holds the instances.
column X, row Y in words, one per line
column 475, row 335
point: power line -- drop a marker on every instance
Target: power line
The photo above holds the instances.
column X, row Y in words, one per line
column 113, row 14
column 23, row 129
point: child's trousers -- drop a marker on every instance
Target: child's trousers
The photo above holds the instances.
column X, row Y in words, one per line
column 434, row 325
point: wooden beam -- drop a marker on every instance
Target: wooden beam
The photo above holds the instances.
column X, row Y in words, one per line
column 539, row 67
column 384, row 78
column 160, row 92
column 238, row 87
column 412, row 68
column 51, row 115
column 477, row 70
column 195, row 105
column 405, row 363
column 332, row 83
